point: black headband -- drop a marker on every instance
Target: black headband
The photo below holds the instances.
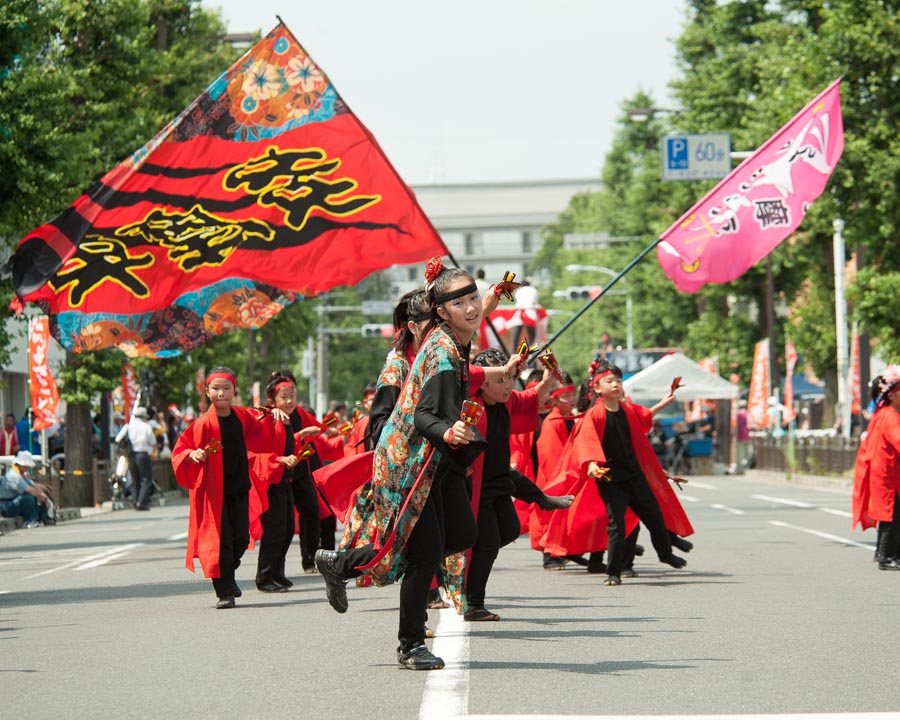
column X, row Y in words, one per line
column 462, row 292
column 421, row 317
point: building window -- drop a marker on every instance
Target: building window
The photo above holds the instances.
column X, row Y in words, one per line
column 469, row 244
column 527, row 243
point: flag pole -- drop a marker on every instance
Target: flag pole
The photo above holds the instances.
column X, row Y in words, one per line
column 603, row 292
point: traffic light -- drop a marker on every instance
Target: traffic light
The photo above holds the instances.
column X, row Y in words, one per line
column 582, row 292
column 377, row 330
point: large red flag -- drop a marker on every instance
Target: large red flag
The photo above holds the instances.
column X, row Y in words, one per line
column 760, row 203
column 266, row 189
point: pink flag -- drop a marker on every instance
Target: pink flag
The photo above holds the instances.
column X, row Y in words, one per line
column 760, row 203
column 790, row 358
column 129, row 390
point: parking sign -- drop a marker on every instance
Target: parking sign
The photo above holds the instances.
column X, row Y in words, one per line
column 696, row 157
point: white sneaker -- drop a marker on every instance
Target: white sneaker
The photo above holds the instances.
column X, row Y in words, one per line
column 33, row 524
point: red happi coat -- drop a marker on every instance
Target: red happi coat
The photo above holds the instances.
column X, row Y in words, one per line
column 584, row 529
column 877, row 474
column 551, row 445
column 203, row 481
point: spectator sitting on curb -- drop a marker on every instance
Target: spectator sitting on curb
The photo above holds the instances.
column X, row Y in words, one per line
column 20, row 495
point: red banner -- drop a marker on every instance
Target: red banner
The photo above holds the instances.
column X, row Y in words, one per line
column 760, row 203
column 790, row 359
column 44, row 393
column 853, row 376
column 129, row 391
column 265, row 190
column 760, row 380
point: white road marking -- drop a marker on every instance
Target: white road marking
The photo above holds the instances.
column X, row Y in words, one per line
column 108, row 558
column 81, row 561
column 179, row 536
column 446, row 692
column 688, row 498
column 835, row 511
column 766, row 716
column 783, row 501
column 827, row 536
column 702, row 485
column 733, row 511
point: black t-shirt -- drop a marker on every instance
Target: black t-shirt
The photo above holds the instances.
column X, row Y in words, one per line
column 495, row 477
column 620, row 458
column 236, row 471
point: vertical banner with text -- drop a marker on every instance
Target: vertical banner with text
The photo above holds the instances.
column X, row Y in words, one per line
column 790, row 360
column 853, row 375
column 44, row 393
column 758, row 402
column 129, row 391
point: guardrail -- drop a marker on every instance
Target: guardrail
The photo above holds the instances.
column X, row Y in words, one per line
column 831, row 455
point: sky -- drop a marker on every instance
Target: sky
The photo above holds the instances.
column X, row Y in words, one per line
column 483, row 90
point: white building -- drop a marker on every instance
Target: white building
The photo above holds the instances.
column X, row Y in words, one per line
column 491, row 226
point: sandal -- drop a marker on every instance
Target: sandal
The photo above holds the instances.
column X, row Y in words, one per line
column 612, row 580
column 438, row 605
column 480, row 615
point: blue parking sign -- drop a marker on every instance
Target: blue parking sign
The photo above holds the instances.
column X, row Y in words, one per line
column 678, row 153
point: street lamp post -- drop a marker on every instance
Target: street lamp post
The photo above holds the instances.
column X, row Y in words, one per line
column 629, row 307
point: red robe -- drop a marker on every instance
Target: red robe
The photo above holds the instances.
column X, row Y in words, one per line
column 585, row 525
column 204, row 480
column 551, row 446
column 877, row 474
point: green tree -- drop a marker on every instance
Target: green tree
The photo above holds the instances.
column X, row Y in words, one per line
column 83, row 85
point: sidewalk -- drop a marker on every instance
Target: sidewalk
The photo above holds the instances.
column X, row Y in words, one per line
column 7, row 525
column 778, row 476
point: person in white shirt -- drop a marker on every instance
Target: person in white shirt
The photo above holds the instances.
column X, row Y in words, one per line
column 143, row 444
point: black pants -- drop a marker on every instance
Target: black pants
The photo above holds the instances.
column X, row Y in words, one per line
column 498, row 526
column 636, row 494
column 141, row 478
column 307, row 501
column 889, row 533
column 445, row 527
column 278, row 532
column 234, row 536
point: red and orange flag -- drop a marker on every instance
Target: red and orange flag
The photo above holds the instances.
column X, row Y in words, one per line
column 265, row 190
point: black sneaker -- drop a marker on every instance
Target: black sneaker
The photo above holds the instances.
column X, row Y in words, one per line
column 419, row 658
column 682, row 544
column 225, row 603
column 675, row 561
column 335, row 585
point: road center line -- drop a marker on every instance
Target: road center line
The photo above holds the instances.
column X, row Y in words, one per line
column 827, row 536
column 702, row 485
column 733, row 511
column 833, row 511
column 80, row 561
column 783, row 501
column 446, row 692
column 108, row 558
column 179, row 536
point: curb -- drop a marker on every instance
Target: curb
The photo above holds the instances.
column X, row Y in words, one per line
column 7, row 525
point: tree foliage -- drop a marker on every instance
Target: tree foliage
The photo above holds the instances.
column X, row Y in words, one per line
column 747, row 66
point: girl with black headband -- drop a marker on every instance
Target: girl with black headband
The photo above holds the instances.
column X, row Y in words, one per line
column 422, row 511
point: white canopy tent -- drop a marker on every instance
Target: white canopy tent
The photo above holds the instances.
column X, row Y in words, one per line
column 653, row 383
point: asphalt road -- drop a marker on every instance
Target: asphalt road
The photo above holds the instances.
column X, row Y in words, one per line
column 780, row 611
